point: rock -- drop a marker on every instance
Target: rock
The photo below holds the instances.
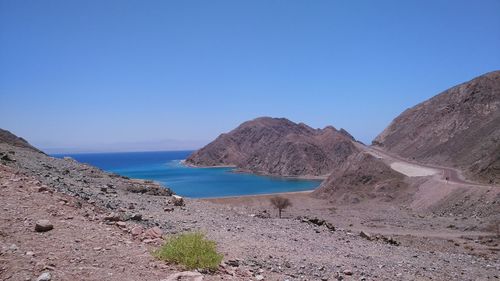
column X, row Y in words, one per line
column 240, row 271
column 177, row 200
column 136, row 231
column 113, row 217
column 188, row 275
column 317, row 222
column 7, row 157
column 391, row 241
column 30, row 254
column 259, row 277
column 136, row 217
column 13, row 248
column 40, row 188
column 44, row 277
column 153, row 233
column 263, row 215
column 347, row 272
column 43, row 226
column 365, row 235
column 233, row 263
column 121, row 224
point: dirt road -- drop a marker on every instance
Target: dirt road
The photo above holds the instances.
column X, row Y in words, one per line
column 414, row 168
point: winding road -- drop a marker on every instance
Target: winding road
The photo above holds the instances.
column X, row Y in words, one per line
column 416, row 169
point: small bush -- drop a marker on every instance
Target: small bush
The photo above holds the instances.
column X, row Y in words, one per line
column 280, row 203
column 191, row 250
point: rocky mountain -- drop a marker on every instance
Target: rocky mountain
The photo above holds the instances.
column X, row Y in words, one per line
column 11, row 139
column 277, row 146
column 460, row 127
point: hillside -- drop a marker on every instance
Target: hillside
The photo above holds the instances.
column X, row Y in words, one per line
column 363, row 177
column 277, row 146
column 460, row 127
column 11, row 139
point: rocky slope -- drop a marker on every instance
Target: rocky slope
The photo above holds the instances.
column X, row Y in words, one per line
column 71, row 177
column 460, row 127
column 277, row 146
column 363, row 177
column 9, row 138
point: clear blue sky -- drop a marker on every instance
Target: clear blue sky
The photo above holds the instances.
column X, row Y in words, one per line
column 127, row 75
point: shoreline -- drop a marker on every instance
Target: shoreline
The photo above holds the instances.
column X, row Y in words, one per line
column 184, row 163
column 243, row 171
column 253, row 196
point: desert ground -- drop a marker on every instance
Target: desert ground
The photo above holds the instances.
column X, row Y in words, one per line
column 315, row 240
column 105, row 230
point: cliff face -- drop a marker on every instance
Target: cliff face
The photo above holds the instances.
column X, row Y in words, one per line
column 11, row 139
column 459, row 127
column 277, row 146
column 362, row 176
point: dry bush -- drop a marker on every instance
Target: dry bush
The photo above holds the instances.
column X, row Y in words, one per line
column 280, row 203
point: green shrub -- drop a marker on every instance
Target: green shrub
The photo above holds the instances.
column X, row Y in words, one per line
column 191, row 250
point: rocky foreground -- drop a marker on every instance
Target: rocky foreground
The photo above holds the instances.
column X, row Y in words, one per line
column 62, row 220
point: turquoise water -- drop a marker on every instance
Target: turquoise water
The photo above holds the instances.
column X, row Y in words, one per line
column 166, row 168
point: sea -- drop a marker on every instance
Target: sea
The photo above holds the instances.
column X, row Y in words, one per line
column 166, row 167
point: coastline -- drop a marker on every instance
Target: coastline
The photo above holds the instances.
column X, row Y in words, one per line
column 229, row 199
column 244, row 171
column 184, row 163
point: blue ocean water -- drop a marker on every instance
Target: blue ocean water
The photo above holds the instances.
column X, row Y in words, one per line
column 166, row 168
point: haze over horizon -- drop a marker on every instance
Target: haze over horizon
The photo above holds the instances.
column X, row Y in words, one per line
column 86, row 76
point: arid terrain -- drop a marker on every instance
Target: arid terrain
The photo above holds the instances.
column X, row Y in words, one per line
column 378, row 215
column 103, row 229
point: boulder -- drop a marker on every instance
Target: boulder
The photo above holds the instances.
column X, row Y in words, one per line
column 177, row 200
column 136, row 217
column 44, row 277
column 365, row 235
column 153, row 233
column 43, row 226
column 121, row 224
column 136, row 231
